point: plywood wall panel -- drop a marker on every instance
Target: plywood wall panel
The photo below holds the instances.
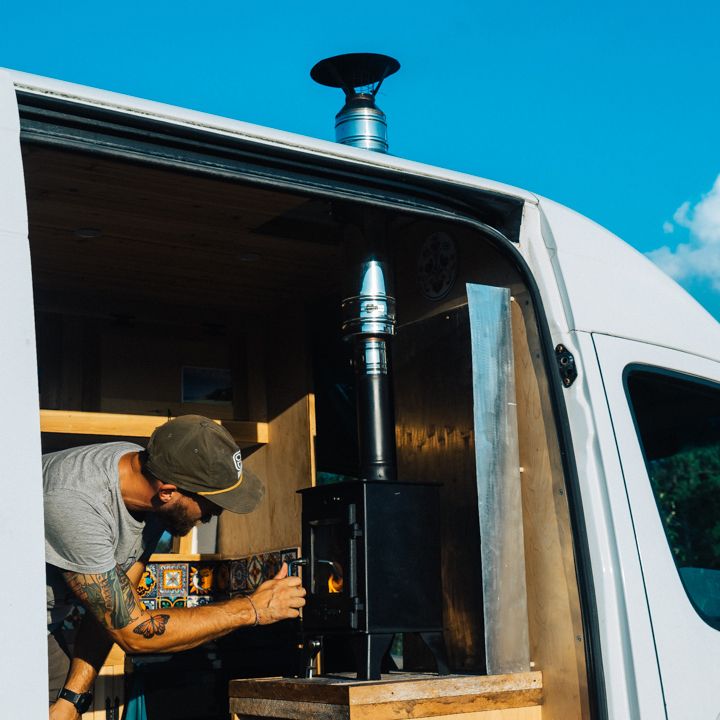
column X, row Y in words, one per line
column 556, row 635
column 285, row 464
column 279, row 388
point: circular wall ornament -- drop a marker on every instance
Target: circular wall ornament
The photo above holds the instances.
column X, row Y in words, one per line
column 437, row 265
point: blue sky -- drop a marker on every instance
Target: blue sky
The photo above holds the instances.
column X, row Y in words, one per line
column 610, row 108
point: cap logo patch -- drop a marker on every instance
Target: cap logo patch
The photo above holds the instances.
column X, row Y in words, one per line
column 237, row 461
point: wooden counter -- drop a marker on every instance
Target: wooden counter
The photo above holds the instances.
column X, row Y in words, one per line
column 396, row 696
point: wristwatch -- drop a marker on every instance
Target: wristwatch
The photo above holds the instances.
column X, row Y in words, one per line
column 81, row 701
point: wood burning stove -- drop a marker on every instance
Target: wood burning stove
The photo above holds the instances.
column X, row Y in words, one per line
column 371, row 546
column 372, row 565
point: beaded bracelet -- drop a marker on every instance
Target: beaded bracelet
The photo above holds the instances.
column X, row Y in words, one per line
column 257, row 617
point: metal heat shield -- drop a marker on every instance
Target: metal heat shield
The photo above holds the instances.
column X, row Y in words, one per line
column 498, row 481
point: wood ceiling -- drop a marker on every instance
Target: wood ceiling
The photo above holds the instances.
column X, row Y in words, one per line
column 170, row 240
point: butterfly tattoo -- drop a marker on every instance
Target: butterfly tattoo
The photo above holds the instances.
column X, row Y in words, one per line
column 152, row 627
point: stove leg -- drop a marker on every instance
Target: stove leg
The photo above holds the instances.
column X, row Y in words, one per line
column 369, row 651
column 309, row 649
column 436, row 643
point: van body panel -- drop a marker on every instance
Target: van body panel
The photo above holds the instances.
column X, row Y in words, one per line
column 688, row 648
column 629, row 666
column 546, row 273
column 611, row 288
column 22, row 596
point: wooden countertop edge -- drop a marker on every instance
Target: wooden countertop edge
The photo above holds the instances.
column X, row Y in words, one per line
column 439, row 706
column 396, row 689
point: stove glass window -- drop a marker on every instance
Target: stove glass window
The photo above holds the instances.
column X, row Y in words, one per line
column 330, row 550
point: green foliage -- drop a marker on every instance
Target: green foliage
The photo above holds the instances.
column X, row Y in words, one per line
column 687, row 490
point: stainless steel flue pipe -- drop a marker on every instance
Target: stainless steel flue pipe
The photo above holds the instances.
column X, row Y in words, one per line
column 361, row 123
column 369, row 322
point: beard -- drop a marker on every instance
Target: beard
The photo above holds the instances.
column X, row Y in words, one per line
column 175, row 519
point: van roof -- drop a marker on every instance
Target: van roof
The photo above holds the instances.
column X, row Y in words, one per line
column 215, row 123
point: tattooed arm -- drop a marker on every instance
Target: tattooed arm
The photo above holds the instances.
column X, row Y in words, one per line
column 111, row 599
column 92, row 646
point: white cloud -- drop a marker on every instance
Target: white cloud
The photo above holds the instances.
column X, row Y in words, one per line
column 699, row 258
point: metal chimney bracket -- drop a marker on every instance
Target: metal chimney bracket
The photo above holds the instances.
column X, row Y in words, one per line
column 566, row 365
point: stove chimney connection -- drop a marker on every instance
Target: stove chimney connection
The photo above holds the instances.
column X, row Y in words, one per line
column 368, row 321
column 360, row 122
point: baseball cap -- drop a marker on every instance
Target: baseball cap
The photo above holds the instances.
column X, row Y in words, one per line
column 200, row 456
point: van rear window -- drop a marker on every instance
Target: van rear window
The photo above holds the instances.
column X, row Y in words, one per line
column 678, row 422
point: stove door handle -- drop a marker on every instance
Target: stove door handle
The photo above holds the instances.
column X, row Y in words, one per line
column 293, row 565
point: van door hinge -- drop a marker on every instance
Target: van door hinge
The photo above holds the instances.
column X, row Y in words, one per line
column 566, row 365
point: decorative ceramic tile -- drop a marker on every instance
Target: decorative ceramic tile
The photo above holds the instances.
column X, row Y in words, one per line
column 238, row 575
column 172, row 579
column 254, row 572
column 147, row 587
column 201, row 578
column 271, row 565
column 287, row 556
column 170, row 602
column 198, row 600
column 221, row 577
column 183, row 584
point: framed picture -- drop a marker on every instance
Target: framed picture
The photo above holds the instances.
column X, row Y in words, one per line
column 206, row 385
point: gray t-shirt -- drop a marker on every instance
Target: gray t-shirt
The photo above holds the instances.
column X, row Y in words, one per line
column 88, row 529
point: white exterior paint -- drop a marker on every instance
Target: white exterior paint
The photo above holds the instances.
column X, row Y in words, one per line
column 609, row 287
column 23, row 658
column 688, row 649
column 589, row 282
column 629, row 663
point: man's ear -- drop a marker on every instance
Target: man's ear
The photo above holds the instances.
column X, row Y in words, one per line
column 165, row 492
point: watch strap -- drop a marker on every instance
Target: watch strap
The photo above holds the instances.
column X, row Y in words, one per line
column 81, row 701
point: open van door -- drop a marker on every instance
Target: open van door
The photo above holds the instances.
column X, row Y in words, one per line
column 665, row 408
column 23, row 657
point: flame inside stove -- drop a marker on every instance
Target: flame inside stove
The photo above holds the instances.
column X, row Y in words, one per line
column 335, row 584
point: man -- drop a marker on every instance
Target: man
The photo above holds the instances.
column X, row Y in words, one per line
column 105, row 508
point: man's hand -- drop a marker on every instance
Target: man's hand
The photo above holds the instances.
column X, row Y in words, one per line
column 279, row 599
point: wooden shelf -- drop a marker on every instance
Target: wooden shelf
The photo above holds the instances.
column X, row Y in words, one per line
column 398, row 696
column 72, row 422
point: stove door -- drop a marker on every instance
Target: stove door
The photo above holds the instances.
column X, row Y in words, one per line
column 331, row 574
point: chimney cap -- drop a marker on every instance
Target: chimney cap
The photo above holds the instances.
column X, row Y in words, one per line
column 354, row 70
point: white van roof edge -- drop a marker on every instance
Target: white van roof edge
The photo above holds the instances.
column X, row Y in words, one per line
column 39, row 85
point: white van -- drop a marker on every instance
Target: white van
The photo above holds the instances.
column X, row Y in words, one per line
column 138, row 239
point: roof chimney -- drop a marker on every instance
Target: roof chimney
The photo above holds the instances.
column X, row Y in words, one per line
column 360, row 122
